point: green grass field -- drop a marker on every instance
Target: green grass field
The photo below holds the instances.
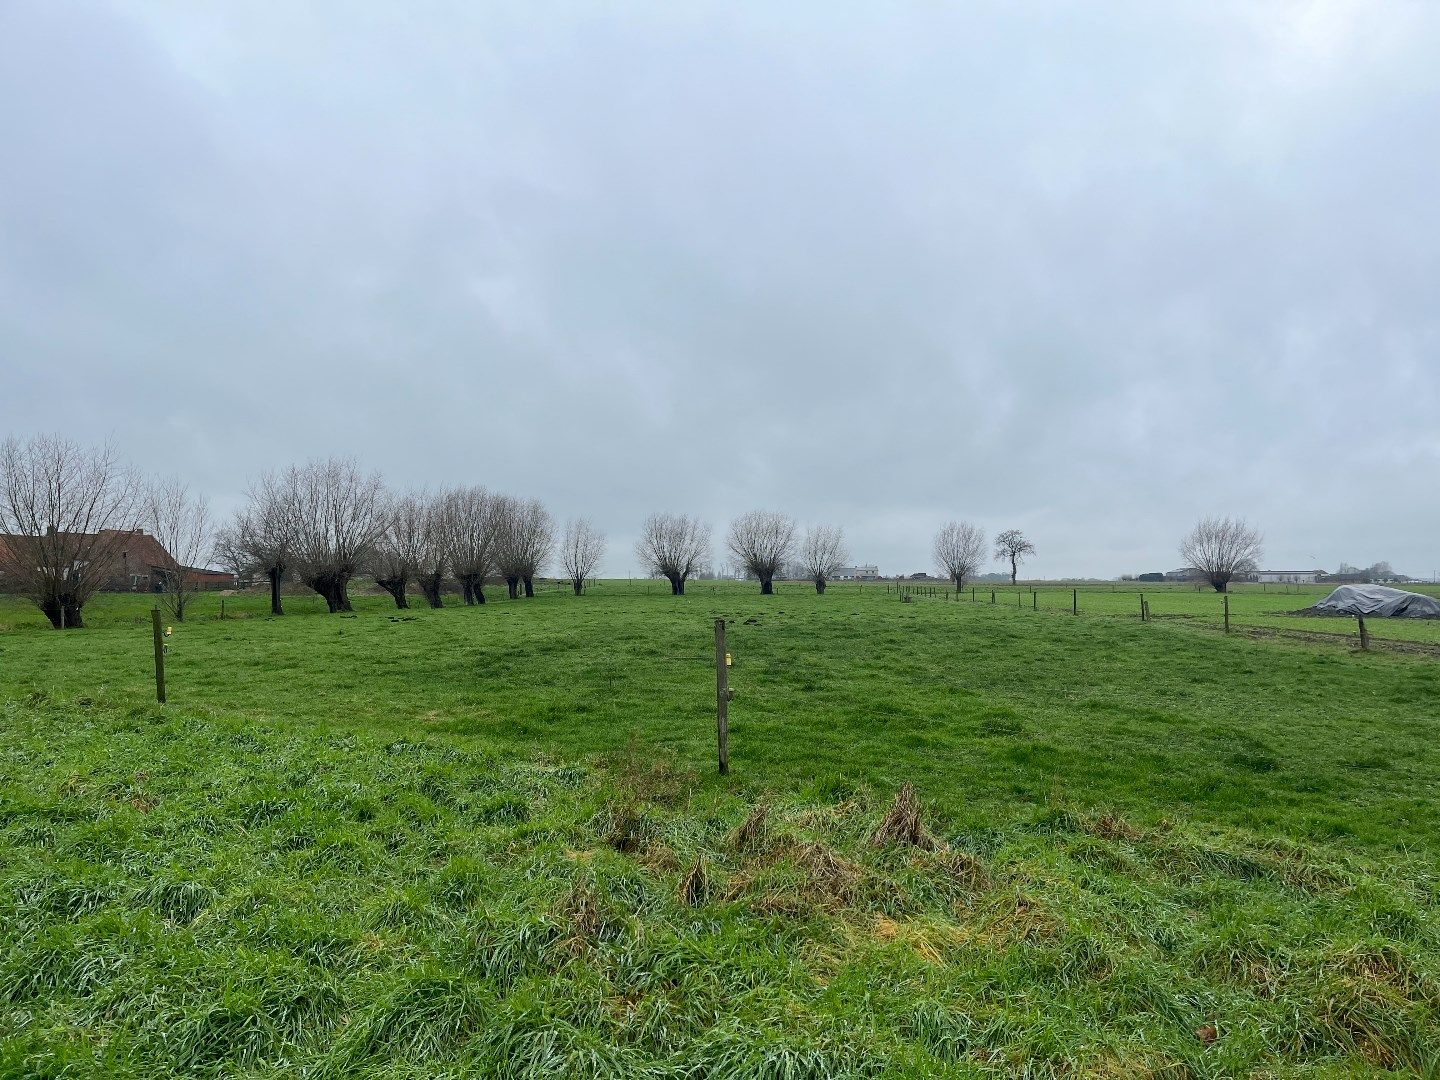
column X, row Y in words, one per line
column 490, row 841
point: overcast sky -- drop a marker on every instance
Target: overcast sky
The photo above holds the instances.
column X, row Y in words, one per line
column 1089, row 270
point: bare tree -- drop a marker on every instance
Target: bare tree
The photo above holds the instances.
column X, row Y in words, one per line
column 526, row 536
column 1012, row 545
column 675, row 547
column 822, row 553
column 431, row 562
column 1220, row 548
column 403, row 546
column 339, row 516
column 760, row 542
column 66, row 512
column 468, row 527
column 228, row 551
column 959, row 551
column 266, row 529
column 581, row 550
column 180, row 522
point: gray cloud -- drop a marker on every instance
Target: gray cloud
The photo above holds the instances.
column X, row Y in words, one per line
column 1091, row 270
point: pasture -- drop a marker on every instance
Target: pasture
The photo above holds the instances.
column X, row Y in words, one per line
column 491, row 840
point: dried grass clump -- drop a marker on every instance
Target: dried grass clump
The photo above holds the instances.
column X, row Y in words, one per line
column 902, row 825
column 751, row 832
column 833, row 876
column 695, row 886
column 1109, row 826
column 626, row 829
column 1020, row 918
column 966, row 870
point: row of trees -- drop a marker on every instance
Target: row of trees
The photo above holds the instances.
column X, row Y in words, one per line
column 67, row 512
column 327, row 522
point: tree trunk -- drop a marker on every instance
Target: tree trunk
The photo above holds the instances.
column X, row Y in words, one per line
column 63, row 613
column 1013, row 570
column 274, row 575
column 467, row 590
column 578, row 584
column 396, row 588
column 959, row 583
column 332, row 586
column 512, row 589
column 767, row 586
column 820, row 585
column 473, row 587
column 677, row 584
column 342, row 593
column 430, row 586
column 529, row 586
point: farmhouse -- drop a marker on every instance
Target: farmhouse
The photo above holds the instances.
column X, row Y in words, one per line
column 1281, row 577
column 858, row 573
column 141, row 565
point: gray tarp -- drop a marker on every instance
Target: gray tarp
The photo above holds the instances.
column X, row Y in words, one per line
column 1378, row 600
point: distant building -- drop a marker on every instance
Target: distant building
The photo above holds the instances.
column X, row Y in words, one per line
column 1279, row 577
column 1156, row 576
column 1185, row 573
column 857, row 573
column 142, row 564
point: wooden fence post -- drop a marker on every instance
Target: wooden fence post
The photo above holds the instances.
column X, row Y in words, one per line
column 722, row 699
column 1075, row 602
column 1227, row 612
column 159, row 633
column 1034, row 600
column 1142, row 607
column 1364, row 634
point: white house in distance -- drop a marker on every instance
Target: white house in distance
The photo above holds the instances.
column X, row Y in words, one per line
column 857, row 573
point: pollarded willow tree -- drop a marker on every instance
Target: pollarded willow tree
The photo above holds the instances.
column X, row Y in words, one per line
column 339, row 516
column 180, row 521
column 675, row 547
column 402, row 548
column 468, row 527
column 66, row 514
column 1011, row 545
column 761, row 542
column 581, row 548
column 431, row 562
column 959, row 551
column 525, row 538
column 822, row 553
column 1221, row 547
column 266, row 529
